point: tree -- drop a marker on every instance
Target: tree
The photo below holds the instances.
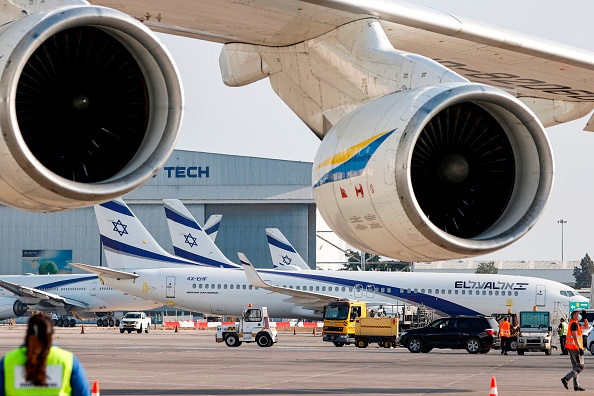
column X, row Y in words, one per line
column 486, row 267
column 583, row 273
column 48, row 267
column 373, row 263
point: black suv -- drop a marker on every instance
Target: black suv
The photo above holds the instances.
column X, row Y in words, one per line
column 473, row 333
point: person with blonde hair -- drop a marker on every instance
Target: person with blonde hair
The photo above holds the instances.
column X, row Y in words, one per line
column 40, row 368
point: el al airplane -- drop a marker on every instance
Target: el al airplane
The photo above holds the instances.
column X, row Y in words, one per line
column 433, row 147
column 189, row 242
column 80, row 295
column 154, row 274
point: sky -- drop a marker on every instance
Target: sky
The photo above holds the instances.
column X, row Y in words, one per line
column 253, row 121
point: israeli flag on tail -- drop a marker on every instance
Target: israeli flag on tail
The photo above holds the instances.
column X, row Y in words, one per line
column 284, row 255
column 189, row 239
column 127, row 243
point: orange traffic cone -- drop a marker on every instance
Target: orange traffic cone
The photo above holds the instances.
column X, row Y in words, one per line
column 82, row 329
column 493, row 391
column 95, row 390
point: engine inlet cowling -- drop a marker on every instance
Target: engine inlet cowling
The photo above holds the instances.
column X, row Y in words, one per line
column 94, row 111
column 440, row 172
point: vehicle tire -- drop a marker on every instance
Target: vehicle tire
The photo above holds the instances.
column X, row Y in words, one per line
column 231, row 340
column 139, row 330
column 521, row 352
column 338, row 344
column 513, row 345
column 415, row 345
column 146, row 329
column 473, row 345
column 263, row 340
column 60, row 322
column 592, row 348
column 426, row 350
column 129, row 331
column 72, row 323
column 117, row 323
column 484, row 350
column 55, row 322
column 122, row 331
column 547, row 352
column 359, row 343
column 386, row 344
column 111, row 322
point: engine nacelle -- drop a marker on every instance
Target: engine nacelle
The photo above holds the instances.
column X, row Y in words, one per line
column 11, row 308
column 439, row 172
column 90, row 105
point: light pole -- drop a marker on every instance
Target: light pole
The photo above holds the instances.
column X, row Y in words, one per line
column 562, row 222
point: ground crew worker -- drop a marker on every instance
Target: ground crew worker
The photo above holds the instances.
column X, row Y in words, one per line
column 562, row 331
column 38, row 368
column 505, row 334
column 575, row 348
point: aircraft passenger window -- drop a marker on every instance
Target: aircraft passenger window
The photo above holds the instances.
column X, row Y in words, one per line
column 416, row 290
column 323, row 288
column 251, row 287
column 231, row 286
column 200, row 286
column 257, row 287
column 193, row 285
column 225, row 286
column 298, row 287
column 336, row 288
column 442, row 291
column 484, row 292
column 290, row 286
column 317, row 288
column 496, row 292
column 244, row 287
column 311, row 288
column 509, row 293
column 436, row 291
column 343, row 288
column 463, row 291
column 206, row 286
column 212, row 286
column 237, row 286
column 219, row 286
column 350, row 289
column 429, row 291
column 422, row 290
column 284, row 285
column 515, row 293
column 449, row 291
column 469, row 292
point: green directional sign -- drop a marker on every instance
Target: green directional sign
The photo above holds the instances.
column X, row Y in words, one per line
column 578, row 305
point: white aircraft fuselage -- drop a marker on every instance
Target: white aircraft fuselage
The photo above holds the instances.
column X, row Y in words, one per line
column 226, row 291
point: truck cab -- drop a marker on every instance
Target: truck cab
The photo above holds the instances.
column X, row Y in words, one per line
column 253, row 326
column 535, row 332
column 340, row 321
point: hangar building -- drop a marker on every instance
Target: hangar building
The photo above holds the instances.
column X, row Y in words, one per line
column 251, row 194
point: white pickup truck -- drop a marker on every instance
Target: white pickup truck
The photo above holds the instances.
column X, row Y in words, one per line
column 135, row 321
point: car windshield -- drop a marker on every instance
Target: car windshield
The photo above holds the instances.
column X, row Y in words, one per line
column 335, row 312
column 132, row 316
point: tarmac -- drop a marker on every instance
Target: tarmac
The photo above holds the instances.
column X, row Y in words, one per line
column 190, row 362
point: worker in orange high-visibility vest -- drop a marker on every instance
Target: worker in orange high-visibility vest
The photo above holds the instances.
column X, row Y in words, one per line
column 575, row 348
column 505, row 334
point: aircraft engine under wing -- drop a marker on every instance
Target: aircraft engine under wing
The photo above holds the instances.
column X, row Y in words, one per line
column 12, row 308
column 91, row 106
column 442, row 171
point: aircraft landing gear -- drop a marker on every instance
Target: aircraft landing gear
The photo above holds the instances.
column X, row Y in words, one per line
column 109, row 321
column 63, row 321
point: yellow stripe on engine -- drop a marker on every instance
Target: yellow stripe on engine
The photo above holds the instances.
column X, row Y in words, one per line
column 348, row 153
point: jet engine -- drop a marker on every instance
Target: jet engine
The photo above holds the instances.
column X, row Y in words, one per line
column 90, row 104
column 439, row 172
column 11, row 308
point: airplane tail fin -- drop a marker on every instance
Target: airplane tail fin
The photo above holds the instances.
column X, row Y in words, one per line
column 189, row 240
column 127, row 243
column 282, row 252
column 211, row 227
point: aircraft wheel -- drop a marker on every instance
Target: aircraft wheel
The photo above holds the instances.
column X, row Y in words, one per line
column 111, row 322
column 72, row 322
column 99, row 322
column 60, row 322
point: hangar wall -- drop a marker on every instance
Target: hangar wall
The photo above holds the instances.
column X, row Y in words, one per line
column 250, row 193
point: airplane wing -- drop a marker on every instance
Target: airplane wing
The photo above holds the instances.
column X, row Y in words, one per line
column 301, row 297
column 106, row 272
column 30, row 295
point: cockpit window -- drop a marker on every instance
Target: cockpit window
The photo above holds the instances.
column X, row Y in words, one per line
column 570, row 293
column 563, row 293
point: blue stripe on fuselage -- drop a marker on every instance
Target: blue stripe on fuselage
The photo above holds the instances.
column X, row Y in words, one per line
column 439, row 304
